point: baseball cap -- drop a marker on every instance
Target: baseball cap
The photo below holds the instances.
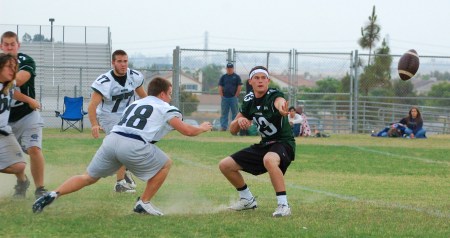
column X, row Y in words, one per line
column 230, row 65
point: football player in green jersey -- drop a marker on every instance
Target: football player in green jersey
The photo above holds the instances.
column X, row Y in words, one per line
column 26, row 123
column 268, row 109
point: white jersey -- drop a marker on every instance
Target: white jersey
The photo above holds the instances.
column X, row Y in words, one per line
column 5, row 109
column 148, row 118
column 115, row 96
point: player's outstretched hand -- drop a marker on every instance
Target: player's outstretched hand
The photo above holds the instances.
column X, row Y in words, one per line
column 206, row 126
column 282, row 105
column 244, row 123
column 34, row 104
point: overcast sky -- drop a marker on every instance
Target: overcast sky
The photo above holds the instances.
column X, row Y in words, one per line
column 155, row 28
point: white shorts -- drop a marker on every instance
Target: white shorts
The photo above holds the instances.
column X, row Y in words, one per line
column 28, row 130
column 108, row 121
column 143, row 159
column 10, row 152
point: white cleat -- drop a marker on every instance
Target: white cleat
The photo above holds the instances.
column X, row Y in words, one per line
column 244, row 204
column 123, row 187
column 282, row 211
column 129, row 179
column 146, row 208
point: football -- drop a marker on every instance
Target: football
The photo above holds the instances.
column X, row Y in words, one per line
column 408, row 64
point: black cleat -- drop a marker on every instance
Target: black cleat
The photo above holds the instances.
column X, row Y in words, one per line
column 41, row 191
column 43, row 201
column 21, row 188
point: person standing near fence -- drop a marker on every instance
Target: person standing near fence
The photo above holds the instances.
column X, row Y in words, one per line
column 112, row 92
column 230, row 85
column 268, row 108
column 26, row 123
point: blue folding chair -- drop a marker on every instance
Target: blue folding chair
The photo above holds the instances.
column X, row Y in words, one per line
column 73, row 114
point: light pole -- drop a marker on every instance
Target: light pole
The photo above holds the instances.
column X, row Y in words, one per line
column 53, row 49
column 51, row 28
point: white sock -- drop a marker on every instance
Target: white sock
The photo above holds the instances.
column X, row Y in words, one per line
column 246, row 194
column 282, row 200
column 54, row 194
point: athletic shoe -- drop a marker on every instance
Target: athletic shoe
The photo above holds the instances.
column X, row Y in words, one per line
column 146, row 208
column 43, row 201
column 123, row 187
column 21, row 188
column 40, row 192
column 244, row 204
column 282, row 211
column 129, row 179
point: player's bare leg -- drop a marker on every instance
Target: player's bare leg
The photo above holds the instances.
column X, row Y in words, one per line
column 37, row 164
column 271, row 162
column 17, row 169
column 120, row 173
column 155, row 183
column 75, row 183
column 230, row 169
column 22, row 185
column 143, row 204
column 71, row 185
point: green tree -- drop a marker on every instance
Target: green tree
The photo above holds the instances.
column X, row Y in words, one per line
column 26, row 37
column 404, row 90
column 211, row 75
column 39, row 38
column 189, row 103
column 345, row 84
column 370, row 34
column 440, row 90
column 377, row 74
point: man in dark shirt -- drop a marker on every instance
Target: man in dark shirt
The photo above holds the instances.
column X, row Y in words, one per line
column 230, row 85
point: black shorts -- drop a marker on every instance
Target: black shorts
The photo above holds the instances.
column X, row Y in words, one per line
column 251, row 158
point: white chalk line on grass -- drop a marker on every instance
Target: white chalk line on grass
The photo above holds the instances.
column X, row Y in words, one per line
column 431, row 212
column 401, row 156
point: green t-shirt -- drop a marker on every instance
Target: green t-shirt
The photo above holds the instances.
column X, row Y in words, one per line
column 21, row 109
column 271, row 125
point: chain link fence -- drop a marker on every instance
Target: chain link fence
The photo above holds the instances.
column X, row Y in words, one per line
column 340, row 92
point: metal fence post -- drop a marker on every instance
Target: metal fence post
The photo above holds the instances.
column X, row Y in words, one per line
column 352, row 77
column 57, row 99
column 355, row 92
column 81, row 82
column 176, row 77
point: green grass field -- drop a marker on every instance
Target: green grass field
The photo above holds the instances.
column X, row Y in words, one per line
column 341, row 186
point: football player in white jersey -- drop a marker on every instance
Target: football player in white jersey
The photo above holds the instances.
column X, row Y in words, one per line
column 113, row 92
column 132, row 143
column 12, row 160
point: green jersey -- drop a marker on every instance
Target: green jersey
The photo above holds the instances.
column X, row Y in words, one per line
column 272, row 126
column 21, row 109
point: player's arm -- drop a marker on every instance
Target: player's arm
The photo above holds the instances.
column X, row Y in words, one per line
column 34, row 104
column 96, row 99
column 140, row 92
column 22, row 77
column 189, row 130
column 281, row 105
column 240, row 122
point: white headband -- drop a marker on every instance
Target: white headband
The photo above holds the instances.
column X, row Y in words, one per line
column 259, row 71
